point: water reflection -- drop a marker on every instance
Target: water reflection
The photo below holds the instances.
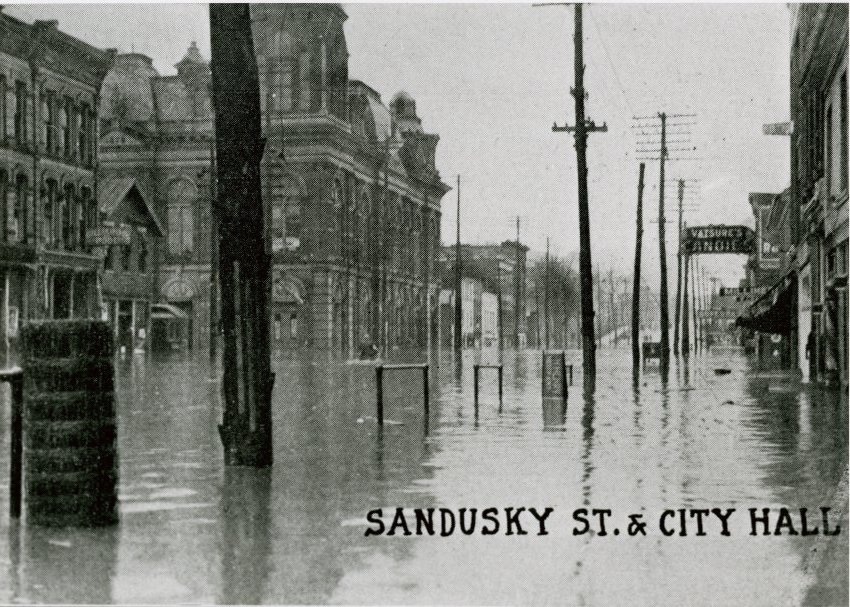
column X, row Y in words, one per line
column 554, row 414
column 246, row 535
column 192, row 531
column 69, row 566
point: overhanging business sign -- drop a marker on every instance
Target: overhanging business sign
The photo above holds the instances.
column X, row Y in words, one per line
column 719, row 239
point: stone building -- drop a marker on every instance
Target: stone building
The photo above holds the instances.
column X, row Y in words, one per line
column 49, row 98
column 350, row 185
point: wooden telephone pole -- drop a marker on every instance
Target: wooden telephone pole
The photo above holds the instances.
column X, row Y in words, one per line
column 458, row 337
column 518, row 276
column 244, row 259
column 662, row 253
column 636, row 280
column 546, row 298
column 678, row 273
column 582, row 127
column 686, row 322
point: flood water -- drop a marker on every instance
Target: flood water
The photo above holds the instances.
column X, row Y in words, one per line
column 193, row 532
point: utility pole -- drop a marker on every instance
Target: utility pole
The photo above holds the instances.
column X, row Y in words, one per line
column 612, row 318
column 599, row 325
column 647, row 146
column 678, row 273
column 517, row 289
column 546, row 298
column 244, row 257
column 686, row 326
column 458, row 337
column 499, row 301
column 702, row 307
column 662, row 252
column 694, row 300
column 636, row 279
column 581, row 129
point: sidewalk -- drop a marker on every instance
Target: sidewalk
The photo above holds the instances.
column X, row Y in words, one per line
column 828, row 558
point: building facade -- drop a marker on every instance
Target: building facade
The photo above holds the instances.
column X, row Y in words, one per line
column 819, row 184
column 351, row 189
column 128, row 241
column 49, row 98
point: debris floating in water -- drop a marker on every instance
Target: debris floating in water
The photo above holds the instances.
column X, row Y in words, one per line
column 722, row 371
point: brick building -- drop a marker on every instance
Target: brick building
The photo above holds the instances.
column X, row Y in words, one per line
column 49, row 98
column 350, row 185
column 819, row 183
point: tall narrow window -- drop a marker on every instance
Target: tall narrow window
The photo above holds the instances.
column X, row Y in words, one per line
column 68, row 202
column 21, row 229
column 843, row 122
column 126, row 252
column 48, row 136
column 278, row 227
column 181, row 225
column 20, row 113
column 304, row 81
column 292, row 206
column 143, row 254
column 3, row 109
column 82, row 137
column 83, row 218
column 5, row 210
column 49, row 201
column 67, row 127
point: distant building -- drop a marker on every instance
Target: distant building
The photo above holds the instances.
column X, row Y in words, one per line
column 128, row 240
column 496, row 267
column 49, row 99
column 350, row 185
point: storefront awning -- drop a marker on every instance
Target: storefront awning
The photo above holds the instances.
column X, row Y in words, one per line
column 164, row 311
column 774, row 311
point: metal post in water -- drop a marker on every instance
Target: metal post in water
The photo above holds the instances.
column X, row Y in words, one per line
column 425, row 390
column 564, row 376
column 475, row 384
column 500, row 386
column 15, row 378
column 379, row 381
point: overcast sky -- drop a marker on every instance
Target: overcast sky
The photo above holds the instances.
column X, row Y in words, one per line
column 491, row 79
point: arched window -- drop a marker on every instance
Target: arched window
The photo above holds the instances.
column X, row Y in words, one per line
column 48, row 228
column 286, row 217
column 69, row 201
column 181, row 222
column 363, row 213
column 337, row 199
column 19, row 228
column 88, row 216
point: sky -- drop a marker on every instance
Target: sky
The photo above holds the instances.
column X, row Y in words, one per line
column 491, row 79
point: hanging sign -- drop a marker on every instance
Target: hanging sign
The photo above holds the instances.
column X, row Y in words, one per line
column 719, row 239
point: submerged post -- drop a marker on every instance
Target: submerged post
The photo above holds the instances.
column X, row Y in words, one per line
column 475, row 383
column 15, row 378
column 379, row 382
column 244, row 257
column 71, row 454
column 425, row 390
column 500, row 385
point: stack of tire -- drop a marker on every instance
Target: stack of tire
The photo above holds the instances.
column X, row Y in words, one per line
column 70, row 453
